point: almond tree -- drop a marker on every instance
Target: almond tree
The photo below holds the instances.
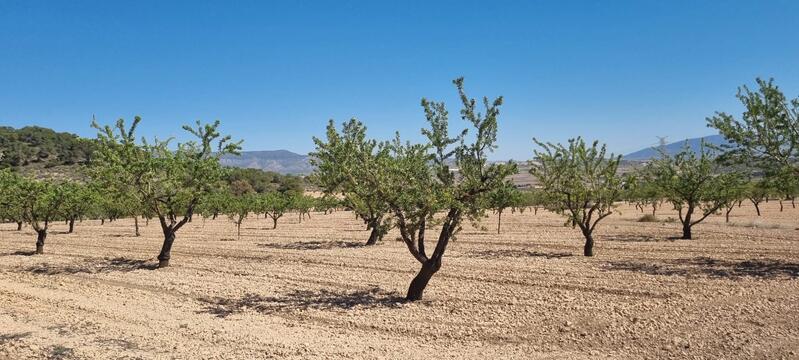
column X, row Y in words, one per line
column 757, row 191
column 332, row 159
column 237, row 208
column 79, row 200
column 10, row 206
column 693, row 184
column 415, row 181
column 767, row 134
column 168, row 183
column 581, row 183
column 502, row 198
column 274, row 205
column 40, row 203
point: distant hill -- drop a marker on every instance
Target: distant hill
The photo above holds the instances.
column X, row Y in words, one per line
column 41, row 147
column 675, row 147
column 279, row 161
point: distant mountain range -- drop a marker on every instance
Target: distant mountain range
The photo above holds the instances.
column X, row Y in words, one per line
column 279, row 161
column 675, row 147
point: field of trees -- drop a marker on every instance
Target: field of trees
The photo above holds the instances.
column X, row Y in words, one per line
column 156, row 250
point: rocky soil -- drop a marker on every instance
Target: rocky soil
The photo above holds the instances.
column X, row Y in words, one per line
column 311, row 290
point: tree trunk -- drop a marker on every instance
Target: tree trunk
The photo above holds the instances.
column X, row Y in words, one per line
column 166, row 249
column 102, row 221
column 419, row 283
column 136, row 225
column 588, row 249
column 374, row 236
column 19, row 225
column 654, row 208
column 686, row 231
column 727, row 215
column 274, row 223
column 214, row 217
column 499, row 221
column 238, row 231
column 71, row 225
column 757, row 207
column 41, row 235
column 780, row 205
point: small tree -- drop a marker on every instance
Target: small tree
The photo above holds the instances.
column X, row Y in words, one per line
column 168, row 183
column 41, row 203
column 10, row 205
column 581, row 182
column 735, row 186
column 757, row 191
column 691, row 182
column 237, row 208
column 302, row 204
column 415, row 181
column 79, row 200
column 274, row 205
column 504, row 197
column 348, row 150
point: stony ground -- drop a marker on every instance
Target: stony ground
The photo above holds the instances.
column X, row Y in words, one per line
column 311, row 290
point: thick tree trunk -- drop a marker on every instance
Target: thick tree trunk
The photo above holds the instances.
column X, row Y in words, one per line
column 19, row 225
column 419, row 283
column 102, row 221
column 41, row 235
column 71, row 225
column 166, row 249
column 588, row 248
column 136, row 225
column 214, row 217
column 374, row 236
column 686, row 231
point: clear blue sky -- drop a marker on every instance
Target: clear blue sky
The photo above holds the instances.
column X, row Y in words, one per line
column 274, row 72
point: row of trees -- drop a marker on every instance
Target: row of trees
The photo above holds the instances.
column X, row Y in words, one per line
column 439, row 182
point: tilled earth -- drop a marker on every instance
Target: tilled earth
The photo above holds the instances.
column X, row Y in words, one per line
column 311, row 290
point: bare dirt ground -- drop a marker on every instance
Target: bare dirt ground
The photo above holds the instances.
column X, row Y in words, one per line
column 311, row 291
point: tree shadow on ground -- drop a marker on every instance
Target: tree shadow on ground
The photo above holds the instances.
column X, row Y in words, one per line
column 8, row 338
column 493, row 254
column 714, row 268
column 374, row 297
column 20, row 253
column 313, row 245
column 92, row 266
column 636, row 238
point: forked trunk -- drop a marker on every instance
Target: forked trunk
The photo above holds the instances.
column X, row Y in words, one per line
column 166, row 249
column 727, row 215
column 71, row 225
column 419, row 283
column 41, row 235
